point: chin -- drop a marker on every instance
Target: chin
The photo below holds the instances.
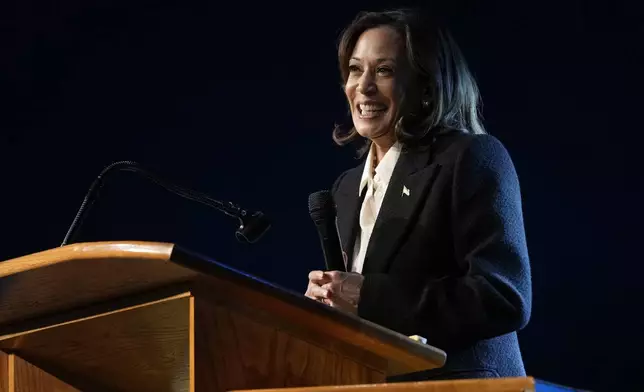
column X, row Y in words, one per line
column 368, row 129
column 370, row 132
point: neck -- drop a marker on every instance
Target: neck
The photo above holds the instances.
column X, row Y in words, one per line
column 381, row 146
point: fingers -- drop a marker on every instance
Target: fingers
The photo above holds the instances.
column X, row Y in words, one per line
column 317, row 292
column 309, row 292
column 336, row 294
column 324, row 285
column 318, row 277
column 326, row 276
column 334, row 289
column 333, row 275
column 326, row 295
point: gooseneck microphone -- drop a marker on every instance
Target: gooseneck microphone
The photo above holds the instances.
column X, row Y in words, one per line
column 252, row 226
column 322, row 211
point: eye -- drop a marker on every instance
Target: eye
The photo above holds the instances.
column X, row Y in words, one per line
column 354, row 68
column 385, row 71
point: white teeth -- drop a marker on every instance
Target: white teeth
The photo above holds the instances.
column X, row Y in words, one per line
column 371, row 108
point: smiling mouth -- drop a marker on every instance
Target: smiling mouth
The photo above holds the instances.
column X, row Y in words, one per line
column 371, row 110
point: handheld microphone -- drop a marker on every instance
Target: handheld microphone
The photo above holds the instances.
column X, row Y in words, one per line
column 322, row 211
column 251, row 226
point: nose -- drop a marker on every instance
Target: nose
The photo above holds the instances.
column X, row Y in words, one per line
column 366, row 84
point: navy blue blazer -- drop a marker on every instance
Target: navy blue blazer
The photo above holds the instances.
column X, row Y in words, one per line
column 447, row 260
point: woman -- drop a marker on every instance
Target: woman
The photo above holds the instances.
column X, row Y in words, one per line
column 431, row 222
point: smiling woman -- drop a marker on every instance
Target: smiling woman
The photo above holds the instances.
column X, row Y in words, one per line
column 431, row 222
column 376, row 81
column 414, row 75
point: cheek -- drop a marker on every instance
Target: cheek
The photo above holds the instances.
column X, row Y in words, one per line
column 349, row 93
column 392, row 92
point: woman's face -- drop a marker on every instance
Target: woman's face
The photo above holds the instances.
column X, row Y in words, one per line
column 377, row 77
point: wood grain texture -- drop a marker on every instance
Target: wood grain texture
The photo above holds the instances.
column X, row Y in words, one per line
column 4, row 372
column 518, row 384
column 46, row 294
column 29, row 378
column 18, row 375
column 183, row 343
column 294, row 309
column 84, row 251
column 238, row 350
column 80, row 274
column 316, row 325
column 141, row 348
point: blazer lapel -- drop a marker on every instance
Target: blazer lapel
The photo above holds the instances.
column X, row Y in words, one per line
column 348, row 205
column 408, row 187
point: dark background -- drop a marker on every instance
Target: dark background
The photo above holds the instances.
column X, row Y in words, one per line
column 238, row 100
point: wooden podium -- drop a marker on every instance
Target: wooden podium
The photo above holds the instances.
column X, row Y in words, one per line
column 143, row 316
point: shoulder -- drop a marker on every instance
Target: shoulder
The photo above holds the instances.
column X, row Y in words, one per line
column 478, row 165
column 476, row 150
column 476, row 162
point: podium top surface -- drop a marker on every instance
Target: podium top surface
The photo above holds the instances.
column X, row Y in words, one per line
column 65, row 278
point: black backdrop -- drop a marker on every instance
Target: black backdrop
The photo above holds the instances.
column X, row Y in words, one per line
column 238, row 100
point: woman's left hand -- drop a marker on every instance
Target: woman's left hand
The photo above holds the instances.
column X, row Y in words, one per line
column 336, row 288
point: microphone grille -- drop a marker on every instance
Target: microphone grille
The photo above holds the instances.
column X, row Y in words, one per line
column 319, row 203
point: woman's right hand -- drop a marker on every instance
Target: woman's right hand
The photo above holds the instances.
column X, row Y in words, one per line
column 338, row 289
column 315, row 290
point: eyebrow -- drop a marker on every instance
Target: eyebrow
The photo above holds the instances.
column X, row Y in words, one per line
column 378, row 60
